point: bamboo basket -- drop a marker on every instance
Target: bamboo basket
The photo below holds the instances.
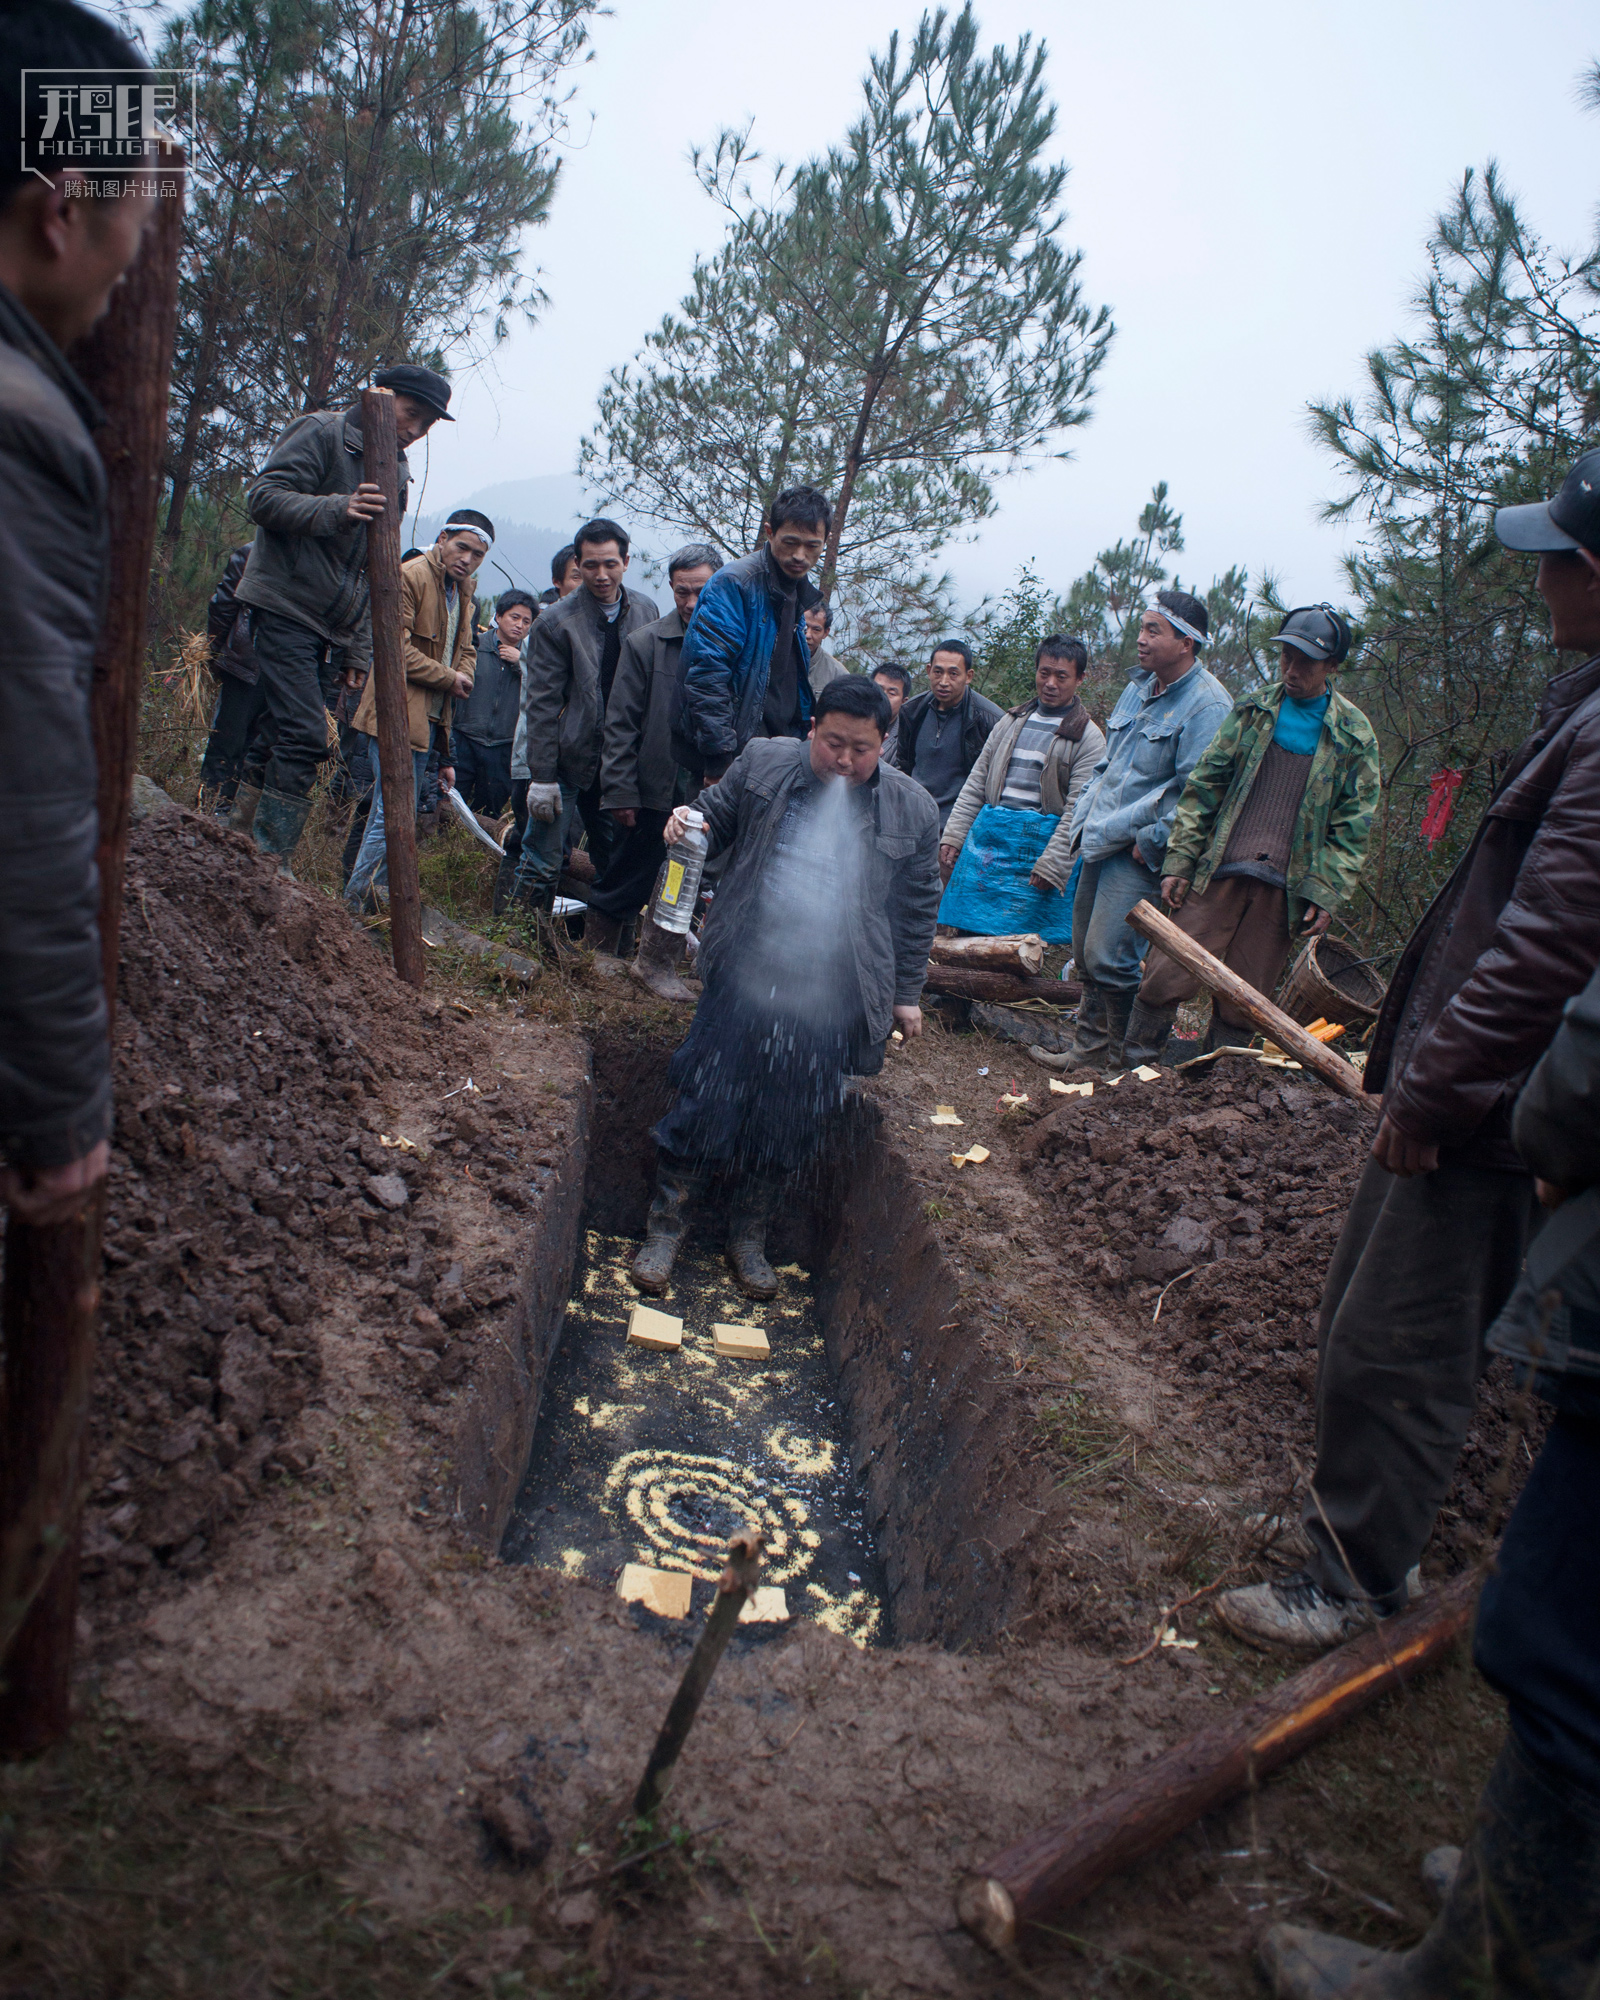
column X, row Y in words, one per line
column 1329, row 982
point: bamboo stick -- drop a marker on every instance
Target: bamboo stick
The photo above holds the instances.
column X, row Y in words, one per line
column 1216, row 977
column 736, row 1584
column 1024, row 953
column 51, row 1294
column 1063, row 1862
column 381, row 466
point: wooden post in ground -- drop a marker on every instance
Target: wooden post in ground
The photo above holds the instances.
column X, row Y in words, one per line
column 1212, row 974
column 1063, row 1862
column 52, row 1274
column 380, row 466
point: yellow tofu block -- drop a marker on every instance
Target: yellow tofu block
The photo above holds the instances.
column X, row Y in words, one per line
column 1060, row 1089
column 945, row 1114
column 768, row 1606
column 974, row 1156
column 663, row 1591
column 1146, row 1074
column 1010, row 1103
column 740, row 1343
column 649, row 1328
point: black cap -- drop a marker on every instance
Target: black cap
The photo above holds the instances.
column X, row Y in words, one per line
column 1318, row 631
column 1570, row 521
column 424, row 385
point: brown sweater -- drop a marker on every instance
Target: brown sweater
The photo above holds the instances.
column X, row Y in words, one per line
column 1259, row 843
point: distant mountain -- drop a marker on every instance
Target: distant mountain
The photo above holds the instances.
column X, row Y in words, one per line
column 533, row 519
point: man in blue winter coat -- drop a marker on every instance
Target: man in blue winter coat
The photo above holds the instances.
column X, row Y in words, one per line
column 745, row 666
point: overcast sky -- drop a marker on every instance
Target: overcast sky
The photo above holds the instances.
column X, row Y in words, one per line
column 1251, row 186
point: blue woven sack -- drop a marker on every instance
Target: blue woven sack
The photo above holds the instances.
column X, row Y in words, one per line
column 989, row 891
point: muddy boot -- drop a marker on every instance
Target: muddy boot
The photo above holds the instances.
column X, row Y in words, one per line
column 677, row 1186
column 243, row 815
column 1119, row 1011
column 1088, row 1048
column 753, row 1202
column 504, row 876
column 279, row 822
column 602, row 934
column 1148, row 1028
column 1521, row 1919
column 656, row 965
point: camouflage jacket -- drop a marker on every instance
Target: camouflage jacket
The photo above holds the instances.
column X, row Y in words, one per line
column 1335, row 817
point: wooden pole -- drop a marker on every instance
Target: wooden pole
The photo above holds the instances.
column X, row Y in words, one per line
column 1148, row 921
column 1064, row 1861
column 736, row 1584
column 381, row 466
column 1023, row 954
column 52, row 1274
column 1001, row 987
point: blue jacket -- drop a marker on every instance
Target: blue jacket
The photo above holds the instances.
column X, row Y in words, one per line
column 727, row 650
column 1154, row 739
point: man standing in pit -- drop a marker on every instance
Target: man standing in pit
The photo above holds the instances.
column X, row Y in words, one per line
column 1165, row 718
column 306, row 588
column 639, row 775
column 1269, row 835
column 744, row 670
column 572, row 661
column 62, row 251
column 939, row 734
column 1440, row 1221
column 815, row 950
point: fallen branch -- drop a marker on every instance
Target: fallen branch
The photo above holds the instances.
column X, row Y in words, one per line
column 1023, row 954
column 1000, row 988
column 1063, row 1862
column 1216, row 977
column 438, row 930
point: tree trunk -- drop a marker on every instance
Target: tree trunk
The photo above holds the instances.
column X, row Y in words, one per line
column 51, row 1292
column 1064, row 1861
column 1023, row 953
column 1216, row 977
column 380, row 466
column 1002, row 988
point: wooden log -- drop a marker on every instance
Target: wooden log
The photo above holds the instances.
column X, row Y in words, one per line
column 1217, row 978
column 51, row 1295
column 1056, row 1867
column 1024, row 953
column 380, row 465
column 438, row 929
column 735, row 1586
column 1003, row 988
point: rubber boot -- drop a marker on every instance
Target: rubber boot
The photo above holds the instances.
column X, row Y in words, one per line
column 243, row 815
column 601, row 933
column 1119, row 1011
column 1088, row 1048
column 279, row 822
column 1145, row 1040
column 656, row 965
column 504, row 876
column 1521, row 1920
column 754, row 1200
column 677, row 1187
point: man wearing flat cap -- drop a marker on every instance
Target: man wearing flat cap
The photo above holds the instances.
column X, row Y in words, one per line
column 305, row 589
column 1440, row 1221
column 1269, row 835
column 1163, row 720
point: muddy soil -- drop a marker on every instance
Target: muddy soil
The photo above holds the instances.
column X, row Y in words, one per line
column 321, row 1363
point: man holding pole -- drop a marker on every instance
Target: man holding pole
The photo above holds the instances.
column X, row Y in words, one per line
column 1440, row 1222
column 306, row 588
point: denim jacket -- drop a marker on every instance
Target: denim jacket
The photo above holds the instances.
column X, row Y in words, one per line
column 1154, row 739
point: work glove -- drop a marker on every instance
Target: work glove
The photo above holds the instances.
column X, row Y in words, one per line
column 544, row 803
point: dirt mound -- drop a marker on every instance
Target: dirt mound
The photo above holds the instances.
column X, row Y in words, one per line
column 1214, row 1198
column 262, row 1047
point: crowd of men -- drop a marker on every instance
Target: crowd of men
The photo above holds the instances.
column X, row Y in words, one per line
column 846, row 816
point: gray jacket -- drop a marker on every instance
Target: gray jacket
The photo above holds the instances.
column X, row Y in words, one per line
column 1551, row 1323
column 824, row 668
column 489, row 713
column 561, row 703
column 1075, row 749
column 308, row 563
column 55, row 1065
column 638, row 768
column 891, row 926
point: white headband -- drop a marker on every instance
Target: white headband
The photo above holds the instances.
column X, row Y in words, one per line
column 468, row 528
column 1179, row 624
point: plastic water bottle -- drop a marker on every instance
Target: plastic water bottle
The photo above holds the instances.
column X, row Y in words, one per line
column 679, row 882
